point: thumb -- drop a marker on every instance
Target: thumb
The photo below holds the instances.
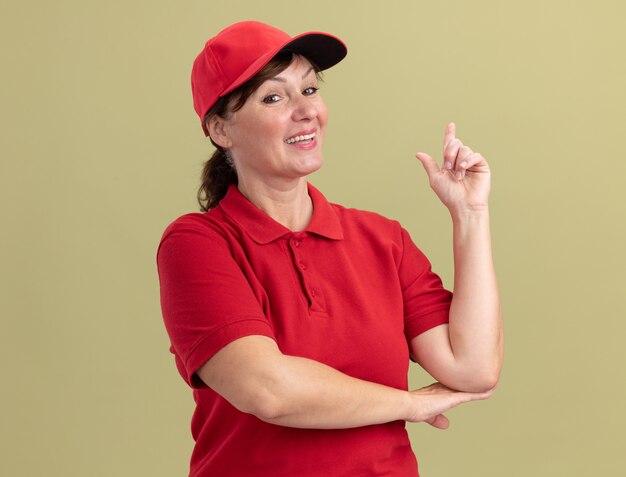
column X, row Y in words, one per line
column 430, row 165
column 439, row 421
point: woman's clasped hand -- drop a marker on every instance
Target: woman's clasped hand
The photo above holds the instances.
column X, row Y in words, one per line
column 432, row 401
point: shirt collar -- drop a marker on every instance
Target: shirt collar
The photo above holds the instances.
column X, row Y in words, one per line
column 263, row 229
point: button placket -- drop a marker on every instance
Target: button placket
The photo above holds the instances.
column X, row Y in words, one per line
column 314, row 298
column 295, row 244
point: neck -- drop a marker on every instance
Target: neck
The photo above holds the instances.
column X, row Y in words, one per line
column 288, row 205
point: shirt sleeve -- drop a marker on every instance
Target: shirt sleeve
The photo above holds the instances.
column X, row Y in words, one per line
column 426, row 301
column 206, row 300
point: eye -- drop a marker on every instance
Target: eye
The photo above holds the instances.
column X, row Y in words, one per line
column 271, row 98
column 310, row 90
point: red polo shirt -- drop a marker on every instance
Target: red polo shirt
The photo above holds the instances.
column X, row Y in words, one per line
column 348, row 291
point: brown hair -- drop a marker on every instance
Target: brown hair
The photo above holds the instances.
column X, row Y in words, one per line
column 219, row 171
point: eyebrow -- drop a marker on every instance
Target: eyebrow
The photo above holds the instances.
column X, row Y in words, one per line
column 283, row 80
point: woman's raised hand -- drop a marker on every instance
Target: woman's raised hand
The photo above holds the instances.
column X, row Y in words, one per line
column 463, row 181
column 432, row 401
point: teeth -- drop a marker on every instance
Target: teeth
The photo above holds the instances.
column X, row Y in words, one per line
column 305, row 137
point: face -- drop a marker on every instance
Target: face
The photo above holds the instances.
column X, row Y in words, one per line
column 277, row 135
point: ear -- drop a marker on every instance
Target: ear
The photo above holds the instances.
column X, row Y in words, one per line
column 218, row 131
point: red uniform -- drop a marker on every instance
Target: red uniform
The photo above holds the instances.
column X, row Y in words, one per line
column 349, row 292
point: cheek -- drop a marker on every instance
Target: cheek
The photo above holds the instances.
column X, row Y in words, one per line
column 252, row 132
column 322, row 115
column 265, row 127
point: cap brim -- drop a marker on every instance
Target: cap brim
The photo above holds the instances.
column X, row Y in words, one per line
column 322, row 49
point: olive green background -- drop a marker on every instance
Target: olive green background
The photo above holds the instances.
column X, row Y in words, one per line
column 101, row 149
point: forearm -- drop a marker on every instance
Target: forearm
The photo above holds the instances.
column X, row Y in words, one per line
column 475, row 329
column 309, row 394
column 254, row 376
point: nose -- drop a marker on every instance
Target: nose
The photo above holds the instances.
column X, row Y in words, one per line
column 304, row 108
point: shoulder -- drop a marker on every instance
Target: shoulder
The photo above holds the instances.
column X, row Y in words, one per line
column 192, row 222
column 376, row 232
column 364, row 221
column 189, row 221
column 195, row 227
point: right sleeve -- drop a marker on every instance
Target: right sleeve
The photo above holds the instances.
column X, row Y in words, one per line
column 206, row 300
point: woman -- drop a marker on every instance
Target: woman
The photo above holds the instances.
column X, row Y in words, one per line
column 294, row 319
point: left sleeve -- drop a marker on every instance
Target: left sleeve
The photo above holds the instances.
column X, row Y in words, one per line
column 426, row 301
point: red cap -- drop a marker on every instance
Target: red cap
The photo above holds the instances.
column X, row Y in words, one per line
column 241, row 50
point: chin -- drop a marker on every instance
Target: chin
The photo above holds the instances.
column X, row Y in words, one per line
column 311, row 166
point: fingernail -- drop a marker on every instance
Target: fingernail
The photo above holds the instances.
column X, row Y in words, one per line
column 458, row 175
column 447, row 165
column 463, row 164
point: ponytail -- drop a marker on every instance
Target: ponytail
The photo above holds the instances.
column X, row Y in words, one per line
column 217, row 175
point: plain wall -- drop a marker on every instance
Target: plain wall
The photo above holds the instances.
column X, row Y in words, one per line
column 101, row 149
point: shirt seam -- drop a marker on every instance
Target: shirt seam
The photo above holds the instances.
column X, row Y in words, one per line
column 429, row 312
column 213, row 332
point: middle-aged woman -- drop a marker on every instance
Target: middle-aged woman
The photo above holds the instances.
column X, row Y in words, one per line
column 294, row 319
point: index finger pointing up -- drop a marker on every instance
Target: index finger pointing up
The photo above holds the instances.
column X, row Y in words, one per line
column 450, row 134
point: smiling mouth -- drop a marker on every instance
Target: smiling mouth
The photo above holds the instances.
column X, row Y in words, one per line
column 304, row 137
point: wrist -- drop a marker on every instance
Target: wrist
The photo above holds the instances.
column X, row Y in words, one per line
column 469, row 213
column 411, row 407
